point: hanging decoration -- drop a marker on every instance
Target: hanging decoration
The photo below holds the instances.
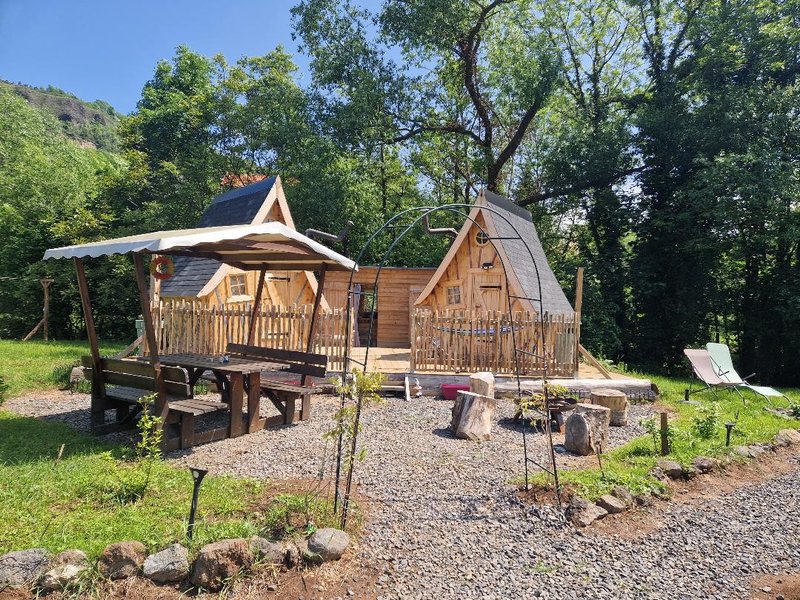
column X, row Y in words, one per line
column 162, row 267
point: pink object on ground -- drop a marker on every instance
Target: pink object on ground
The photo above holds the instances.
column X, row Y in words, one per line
column 450, row 390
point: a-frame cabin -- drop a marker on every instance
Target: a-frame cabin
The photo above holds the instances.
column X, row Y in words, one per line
column 215, row 283
column 472, row 275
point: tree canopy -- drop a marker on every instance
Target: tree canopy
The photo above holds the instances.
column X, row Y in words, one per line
column 656, row 143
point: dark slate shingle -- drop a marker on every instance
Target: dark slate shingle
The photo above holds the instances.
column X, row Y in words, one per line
column 553, row 299
column 236, row 207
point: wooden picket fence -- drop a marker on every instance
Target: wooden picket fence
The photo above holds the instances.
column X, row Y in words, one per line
column 468, row 341
column 192, row 326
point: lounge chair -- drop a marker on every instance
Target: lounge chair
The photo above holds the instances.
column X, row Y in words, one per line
column 706, row 370
column 721, row 357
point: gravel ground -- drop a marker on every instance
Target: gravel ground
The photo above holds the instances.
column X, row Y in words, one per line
column 444, row 521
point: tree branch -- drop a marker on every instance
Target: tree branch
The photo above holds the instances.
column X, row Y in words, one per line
column 600, row 181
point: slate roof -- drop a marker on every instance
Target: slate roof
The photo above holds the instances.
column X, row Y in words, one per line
column 553, row 299
column 236, row 207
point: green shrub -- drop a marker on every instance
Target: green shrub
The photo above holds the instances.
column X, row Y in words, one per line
column 3, row 389
column 705, row 422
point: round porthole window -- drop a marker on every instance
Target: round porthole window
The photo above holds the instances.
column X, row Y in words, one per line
column 481, row 238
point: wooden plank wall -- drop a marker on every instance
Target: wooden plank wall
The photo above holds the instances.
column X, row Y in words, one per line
column 470, row 341
column 394, row 292
column 194, row 326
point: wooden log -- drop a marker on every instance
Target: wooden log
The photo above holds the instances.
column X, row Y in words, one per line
column 586, row 430
column 472, row 416
column 614, row 400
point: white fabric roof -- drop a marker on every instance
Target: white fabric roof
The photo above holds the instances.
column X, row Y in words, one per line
column 273, row 246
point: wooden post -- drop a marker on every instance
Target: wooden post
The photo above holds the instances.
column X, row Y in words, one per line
column 312, row 328
column 150, row 335
column 256, row 303
column 98, row 390
column 664, row 434
column 578, row 309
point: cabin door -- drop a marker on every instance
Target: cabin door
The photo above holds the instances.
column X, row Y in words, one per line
column 487, row 292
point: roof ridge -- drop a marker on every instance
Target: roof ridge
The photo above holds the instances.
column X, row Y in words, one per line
column 507, row 204
column 246, row 190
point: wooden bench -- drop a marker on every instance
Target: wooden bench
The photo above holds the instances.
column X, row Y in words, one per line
column 125, row 382
column 283, row 394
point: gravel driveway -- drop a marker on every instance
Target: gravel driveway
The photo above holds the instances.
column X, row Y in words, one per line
column 444, row 521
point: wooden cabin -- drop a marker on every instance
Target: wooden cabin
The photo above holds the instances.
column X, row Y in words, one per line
column 393, row 305
column 214, row 283
column 472, row 275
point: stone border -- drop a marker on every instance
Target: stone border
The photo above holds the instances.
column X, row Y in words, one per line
column 582, row 513
column 39, row 571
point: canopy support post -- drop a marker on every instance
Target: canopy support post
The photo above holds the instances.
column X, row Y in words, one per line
column 312, row 329
column 262, row 275
column 98, row 389
column 150, row 335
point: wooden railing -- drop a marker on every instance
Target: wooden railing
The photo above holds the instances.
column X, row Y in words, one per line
column 191, row 326
column 465, row 341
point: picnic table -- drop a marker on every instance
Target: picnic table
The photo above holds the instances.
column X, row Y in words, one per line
column 236, row 379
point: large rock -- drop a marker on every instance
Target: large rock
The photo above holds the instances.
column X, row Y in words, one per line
column 168, row 566
column 482, row 384
column 266, row 551
column 787, row 437
column 61, row 577
column 671, row 468
column 121, row 560
column 615, row 401
column 611, row 504
column 622, row 493
column 329, row 543
column 472, row 416
column 220, row 561
column 586, row 430
column 703, row 464
column 583, row 513
column 74, row 557
column 23, row 567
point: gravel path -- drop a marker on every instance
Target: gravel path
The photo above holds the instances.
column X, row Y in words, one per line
column 444, row 521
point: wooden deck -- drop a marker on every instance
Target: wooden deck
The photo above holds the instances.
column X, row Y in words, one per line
column 395, row 364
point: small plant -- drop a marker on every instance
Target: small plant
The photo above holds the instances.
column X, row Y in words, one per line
column 794, row 410
column 652, row 426
column 133, row 480
column 3, row 389
column 705, row 422
column 362, row 388
column 534, row 403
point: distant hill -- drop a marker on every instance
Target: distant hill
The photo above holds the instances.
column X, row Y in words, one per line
column 88, row 123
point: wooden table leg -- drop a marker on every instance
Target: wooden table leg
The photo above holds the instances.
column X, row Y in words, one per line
column 253, row 402
column 237, row 404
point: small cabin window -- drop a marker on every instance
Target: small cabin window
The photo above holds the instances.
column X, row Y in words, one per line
column 238, row 285
column 454, row 295
column 481, row 238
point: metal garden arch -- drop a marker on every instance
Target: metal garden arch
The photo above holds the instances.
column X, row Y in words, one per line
column 423, row 212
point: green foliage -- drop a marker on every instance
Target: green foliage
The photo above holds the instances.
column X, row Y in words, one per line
column 630, row 464
column 706, row 422
column 4, row 387
column 362, row 390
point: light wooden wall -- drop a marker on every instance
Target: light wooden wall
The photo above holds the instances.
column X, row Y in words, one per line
column 398, row 288
column 481, row 289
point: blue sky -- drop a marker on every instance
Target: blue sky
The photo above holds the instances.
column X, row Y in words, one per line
column 108, row 50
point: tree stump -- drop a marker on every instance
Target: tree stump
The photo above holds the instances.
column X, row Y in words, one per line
column 472, row 416
column 615, row 401
column 482, row 383
column 586, row 429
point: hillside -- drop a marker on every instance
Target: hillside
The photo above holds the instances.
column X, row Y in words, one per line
column 91, row 124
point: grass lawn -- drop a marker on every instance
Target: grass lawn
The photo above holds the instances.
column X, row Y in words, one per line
column 630, row 464
column 85, row 499
column 27, row 366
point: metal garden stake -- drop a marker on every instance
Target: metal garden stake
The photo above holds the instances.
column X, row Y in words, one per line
column 197, row 476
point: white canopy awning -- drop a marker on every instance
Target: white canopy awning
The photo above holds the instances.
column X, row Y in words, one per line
column 271, row 246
